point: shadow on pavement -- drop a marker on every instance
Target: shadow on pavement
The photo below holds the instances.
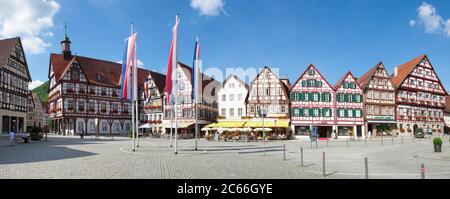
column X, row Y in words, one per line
column 51, row 150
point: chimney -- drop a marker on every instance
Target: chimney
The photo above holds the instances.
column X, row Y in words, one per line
column 395, row 71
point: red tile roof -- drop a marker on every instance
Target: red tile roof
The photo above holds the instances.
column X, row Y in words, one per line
column 98, row 72
column 365, row 79
column 405, row 69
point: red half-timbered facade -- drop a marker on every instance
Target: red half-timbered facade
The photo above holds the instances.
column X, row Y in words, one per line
column 84, row 95
column 349, row 107
column 421, row 97
column 312, row 104
column 379, row 99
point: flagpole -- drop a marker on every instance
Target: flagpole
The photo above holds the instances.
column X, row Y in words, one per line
column 132, row 106
column 196, row 95
column 171, row 124
column 136, row 89
column 175, row 62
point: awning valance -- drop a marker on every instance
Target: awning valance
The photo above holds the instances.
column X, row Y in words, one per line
column 227, row 124
column 268, row 124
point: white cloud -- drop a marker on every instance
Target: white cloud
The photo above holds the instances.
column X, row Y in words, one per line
column 208, row 7
column 432, row 22
column 140, row 63
column 35, row 84
column 28, row 19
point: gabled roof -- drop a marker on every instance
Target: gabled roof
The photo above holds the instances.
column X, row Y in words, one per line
column 6, row 47
column 97, row 72
column 160, row 81
column 206, row 79
column 365, row 79
column 405, row 69
column 341, row 81
column 238, row 79
column 315, row 68
column 286, row 88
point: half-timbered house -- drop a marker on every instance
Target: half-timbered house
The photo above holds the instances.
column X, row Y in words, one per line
column 14, row 80
column 349, row 107
column 153, row 96
column 379, row 99
column 207, row 106
column 268, row 93
column 36, row 111
column 312, row 104
column 447, row 115
column 84, row 95
column 421, row 96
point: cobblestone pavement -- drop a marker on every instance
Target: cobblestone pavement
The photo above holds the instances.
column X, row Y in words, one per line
column 108, row 158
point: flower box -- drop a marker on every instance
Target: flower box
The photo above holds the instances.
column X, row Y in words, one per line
column 81, row 109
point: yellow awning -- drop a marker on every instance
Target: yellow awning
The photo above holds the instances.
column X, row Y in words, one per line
column 227, row 124
column 268, row 124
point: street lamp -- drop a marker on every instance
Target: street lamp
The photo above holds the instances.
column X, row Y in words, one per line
column 263, row 113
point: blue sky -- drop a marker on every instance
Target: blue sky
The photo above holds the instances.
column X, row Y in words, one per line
column 335, row 35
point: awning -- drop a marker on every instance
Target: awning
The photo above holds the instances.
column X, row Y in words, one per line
column 268, row 124
column 227, row 124
column 147, row 126
column 181, row 125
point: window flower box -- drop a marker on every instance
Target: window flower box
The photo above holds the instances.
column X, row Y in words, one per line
column 103, row 93
column 69, row 90
column 82, row 91
column 115, row 111
column 92, row 92
column 70, row 109
column 91, row 110
column 103, row 111
column 81, row 109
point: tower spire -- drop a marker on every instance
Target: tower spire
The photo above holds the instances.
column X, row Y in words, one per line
column 65, row 45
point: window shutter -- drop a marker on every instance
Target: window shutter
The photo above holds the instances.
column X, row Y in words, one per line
column 320, row 84
column 323, row 97
column 311, row 112
column 292, row 111
column 337, row 97
column 319, row 97
column 354, row 113
column 310, row 97
column 323, row 111
column 338, row 112
column 329, row 97
column 301, row 112
column 303, row 83
column 345, row 112
column 345, row 85
column 292, row 96
column 301, row 97
column 346, row 98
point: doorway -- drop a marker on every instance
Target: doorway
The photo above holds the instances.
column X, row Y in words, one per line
column 325, row 131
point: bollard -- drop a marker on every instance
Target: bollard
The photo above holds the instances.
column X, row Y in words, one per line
column 382, row 141
column 347, row 142
column 422, row 171
column 323, row 164
column 366, row 163
column 301, row 156
column 284, row 152
column 365, row 142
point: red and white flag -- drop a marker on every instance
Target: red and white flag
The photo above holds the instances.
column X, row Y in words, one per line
column 172, row 64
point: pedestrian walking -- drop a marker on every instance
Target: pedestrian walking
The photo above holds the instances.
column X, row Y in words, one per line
column 82, row 135
column 11, row 137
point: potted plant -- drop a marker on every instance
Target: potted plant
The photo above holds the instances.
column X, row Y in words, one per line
column 36, row 134
column 419, row 133
column 437, row 142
